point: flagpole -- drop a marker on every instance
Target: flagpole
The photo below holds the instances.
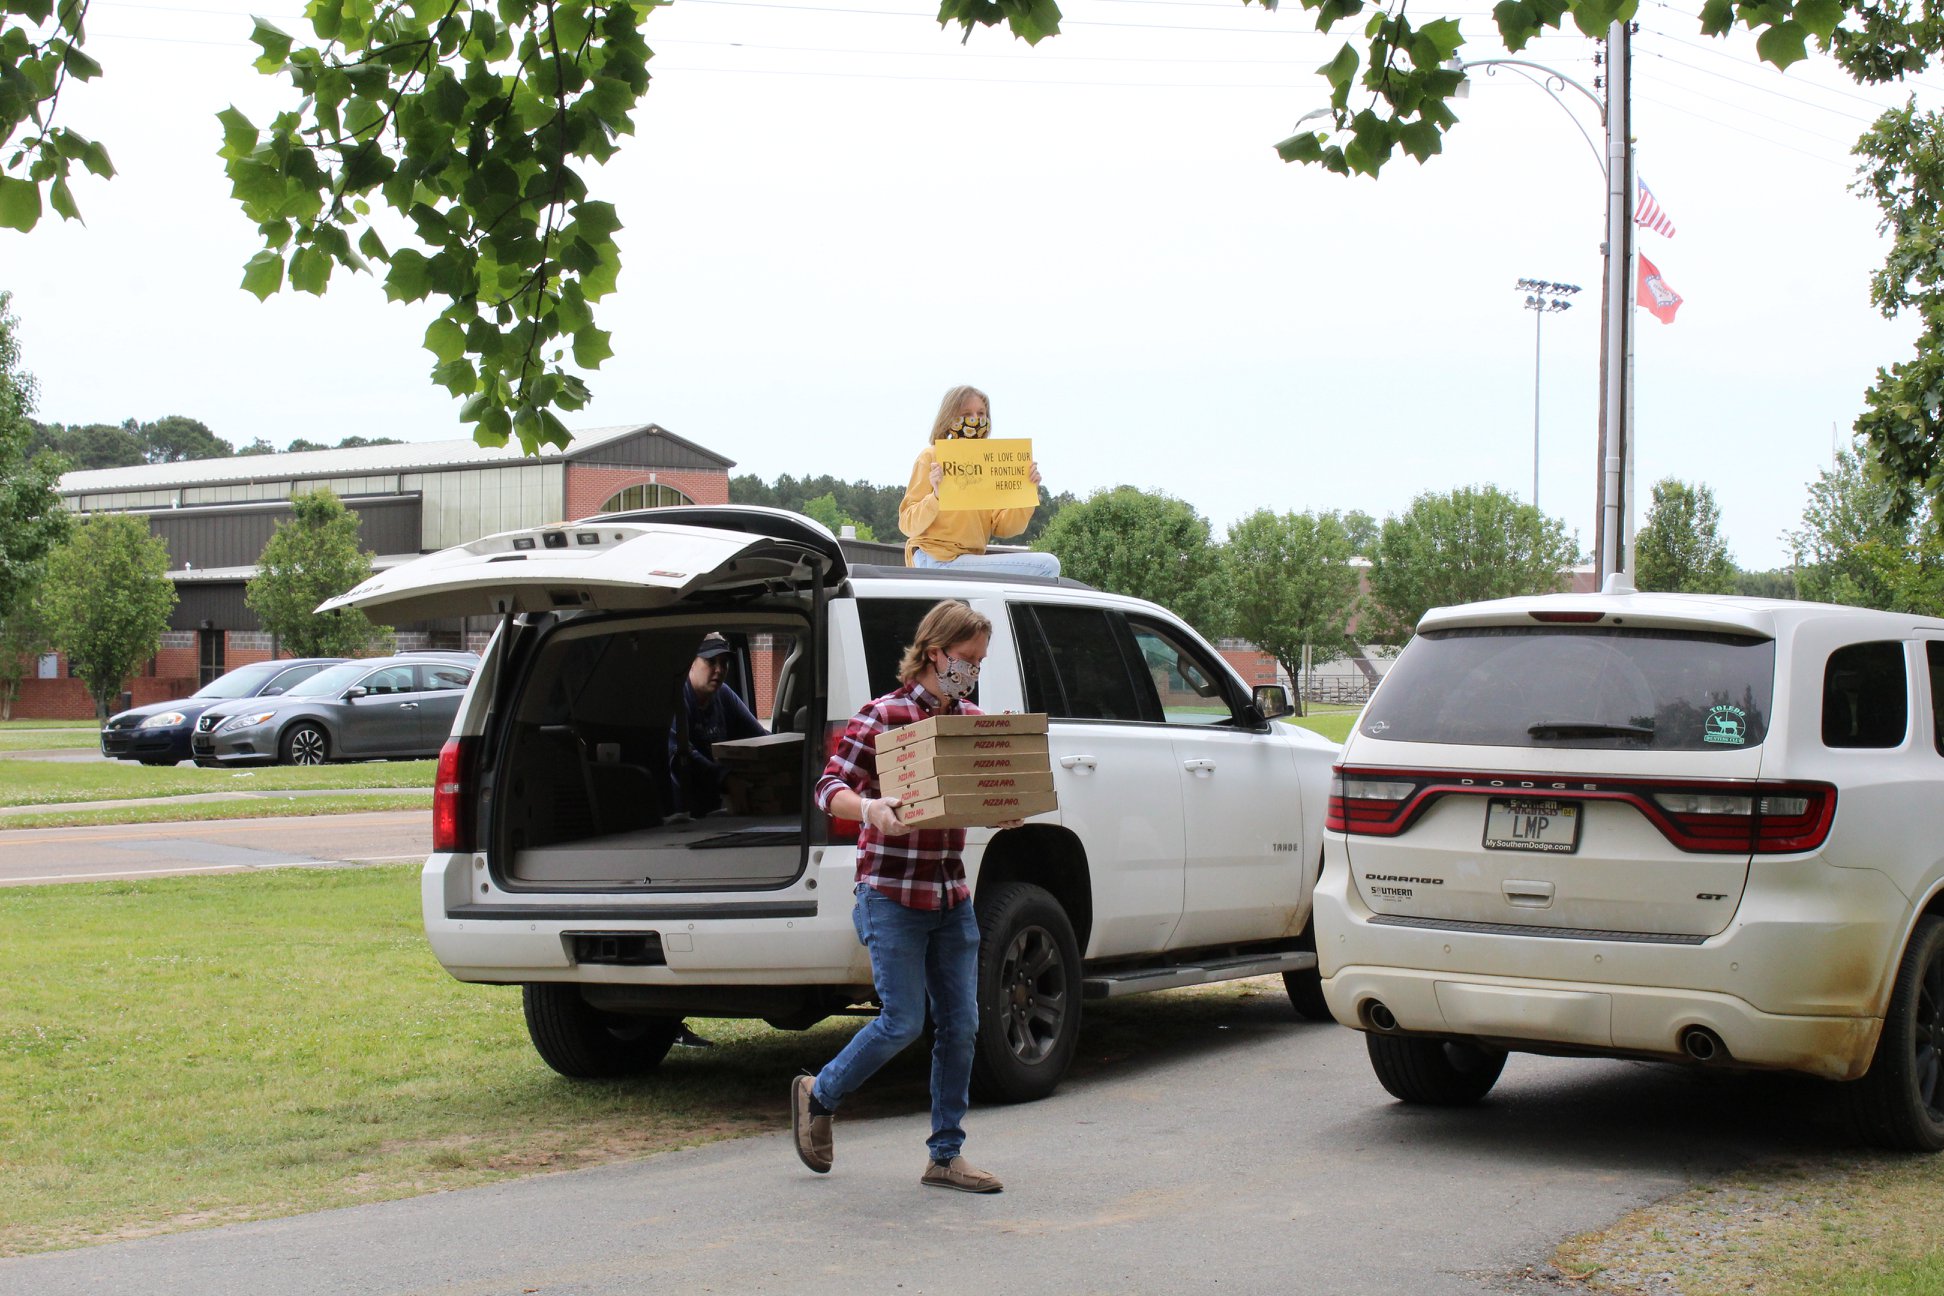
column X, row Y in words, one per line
column 1616, row 447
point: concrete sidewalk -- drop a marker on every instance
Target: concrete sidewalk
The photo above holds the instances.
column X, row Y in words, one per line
column 192, row 798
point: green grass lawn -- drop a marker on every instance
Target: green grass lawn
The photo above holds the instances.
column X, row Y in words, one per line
column 49, row 735
column 183, row 1052
column 11, row 726
column 1332, row 722
column 28, row 782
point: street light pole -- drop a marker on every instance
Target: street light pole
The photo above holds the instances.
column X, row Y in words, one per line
column 1542, row 299
column 1615, row 458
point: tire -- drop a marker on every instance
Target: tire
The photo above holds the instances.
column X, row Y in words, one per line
column 584, row 1043
column 305, row 744
column 1433, row 1072
column 1899, row 1102
column 1305, row 991
column 1029, row 995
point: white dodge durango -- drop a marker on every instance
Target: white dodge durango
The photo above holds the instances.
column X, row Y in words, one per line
column 1700, row 829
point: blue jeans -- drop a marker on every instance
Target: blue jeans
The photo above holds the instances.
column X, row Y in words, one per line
column 916, row 954
column 1023, row 564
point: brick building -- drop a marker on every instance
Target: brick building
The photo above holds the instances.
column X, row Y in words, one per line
column 216, row 514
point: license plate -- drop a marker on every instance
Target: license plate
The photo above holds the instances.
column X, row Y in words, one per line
column 1526, row 824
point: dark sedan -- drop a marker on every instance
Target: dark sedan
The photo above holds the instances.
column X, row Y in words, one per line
column 158, row 734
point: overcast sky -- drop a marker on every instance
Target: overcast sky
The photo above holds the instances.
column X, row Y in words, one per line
column 834, row 212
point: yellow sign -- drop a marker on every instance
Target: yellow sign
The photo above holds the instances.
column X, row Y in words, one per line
column 986, row 474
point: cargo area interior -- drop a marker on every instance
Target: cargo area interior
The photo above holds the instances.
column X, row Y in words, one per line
column 600, row 786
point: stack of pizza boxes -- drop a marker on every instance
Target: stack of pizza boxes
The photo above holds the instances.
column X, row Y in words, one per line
column 967, row 771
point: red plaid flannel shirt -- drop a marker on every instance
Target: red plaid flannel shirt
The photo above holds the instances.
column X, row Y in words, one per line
column 923, row 868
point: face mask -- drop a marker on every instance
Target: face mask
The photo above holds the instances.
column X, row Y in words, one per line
column 957, row 678
column 969, row 425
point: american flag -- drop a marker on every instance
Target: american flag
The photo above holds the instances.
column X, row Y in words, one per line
column 1647, row 212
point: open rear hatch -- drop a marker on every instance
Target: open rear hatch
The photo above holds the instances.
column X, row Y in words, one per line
column 1574, row 779
column 624, row 562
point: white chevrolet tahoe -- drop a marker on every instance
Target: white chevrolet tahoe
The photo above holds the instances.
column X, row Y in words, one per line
column 1698, row 829
column 568, row 859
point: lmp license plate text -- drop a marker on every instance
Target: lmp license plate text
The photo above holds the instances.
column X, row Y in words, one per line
column 1519, row 823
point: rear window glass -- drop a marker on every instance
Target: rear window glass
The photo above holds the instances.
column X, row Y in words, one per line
column 1598, row 687
column 1865, row 696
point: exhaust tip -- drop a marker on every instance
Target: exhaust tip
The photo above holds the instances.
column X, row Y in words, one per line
column 1703, row 1045
column 1379, row 1016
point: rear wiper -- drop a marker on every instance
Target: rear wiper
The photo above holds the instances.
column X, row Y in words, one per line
column 1588, row 729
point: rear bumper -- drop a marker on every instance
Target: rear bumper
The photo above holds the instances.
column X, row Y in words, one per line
column 1797, row 982
column 800, row 935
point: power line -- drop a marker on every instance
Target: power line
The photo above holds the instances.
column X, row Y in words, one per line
column 1766, row 139
column 1746, row 85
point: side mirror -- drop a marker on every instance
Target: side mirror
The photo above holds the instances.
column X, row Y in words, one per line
column 355, row 692
column 1272, row 700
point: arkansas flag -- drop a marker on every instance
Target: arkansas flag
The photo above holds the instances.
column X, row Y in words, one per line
column 1654, row 293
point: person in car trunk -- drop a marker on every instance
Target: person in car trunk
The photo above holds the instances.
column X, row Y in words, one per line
column 913, row 911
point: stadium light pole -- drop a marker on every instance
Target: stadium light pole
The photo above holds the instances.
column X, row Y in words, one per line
column 1542, row 299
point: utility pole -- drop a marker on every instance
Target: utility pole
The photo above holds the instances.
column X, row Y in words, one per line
column 1542, row 299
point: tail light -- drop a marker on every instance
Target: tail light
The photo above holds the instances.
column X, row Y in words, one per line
column 837, row 830
column 1727, row 818
column 453, row 796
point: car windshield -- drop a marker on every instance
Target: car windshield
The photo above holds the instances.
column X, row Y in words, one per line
column 330, row 681
column 242, row 682
column 1577, row 686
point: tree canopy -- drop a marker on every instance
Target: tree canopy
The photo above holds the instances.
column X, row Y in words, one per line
column 1473, row 543
column 1855, row 547
column 1289, row 584
column 32, row 520
column 1142, row 543
column 1680, row 549
column 312, row 557
column 107, row 598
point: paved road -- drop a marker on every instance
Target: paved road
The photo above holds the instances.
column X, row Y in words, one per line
column 38, row 855
column 1263, row 1159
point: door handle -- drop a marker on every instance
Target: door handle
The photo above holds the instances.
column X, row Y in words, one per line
column 1084, row 764
column 408, row 706
column 1200, row 768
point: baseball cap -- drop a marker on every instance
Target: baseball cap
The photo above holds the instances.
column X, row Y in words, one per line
column 713, row 645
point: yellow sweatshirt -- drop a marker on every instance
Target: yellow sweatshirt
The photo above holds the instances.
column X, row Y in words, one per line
column 946, row 534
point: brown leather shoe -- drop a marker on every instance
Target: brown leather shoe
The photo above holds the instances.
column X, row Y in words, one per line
column 813, row 1142
column 962, row 1175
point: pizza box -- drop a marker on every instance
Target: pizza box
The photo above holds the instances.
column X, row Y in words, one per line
column 1006, row 723
column 1030, row 747
column 976, row 809
column 765, row 749
column 907, row 765
column 958, row 784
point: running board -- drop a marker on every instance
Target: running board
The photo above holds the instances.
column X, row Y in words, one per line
column 1112, row 985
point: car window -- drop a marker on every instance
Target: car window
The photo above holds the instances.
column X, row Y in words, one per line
column 330, row 681
column 1188, row 688
column 392, row 679
column 1865, row 696
column 239, row 683
column 287, row 680
column 1074, row 666
column 1934, row 655
column 442, row 677
column 1596, row 687
column 889, row 626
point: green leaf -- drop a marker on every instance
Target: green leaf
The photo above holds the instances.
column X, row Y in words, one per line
column 310, row 270
column 1518, row 22
column 79, row 65
column 239, row 135
column 445, row 340
column 1819, row 16
column 1717, row 16
column 275, row 43
column 20, row 204
column 1306, row 147
column 62, row 201
column 591, row 347
column 1783, row 44
column 372, row 246
column 1421, row 140
column 263, row 274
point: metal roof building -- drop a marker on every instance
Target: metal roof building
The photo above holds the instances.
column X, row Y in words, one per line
column 216, row 514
